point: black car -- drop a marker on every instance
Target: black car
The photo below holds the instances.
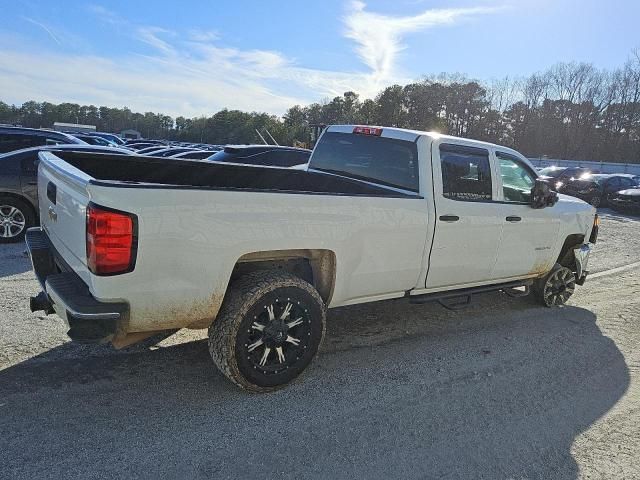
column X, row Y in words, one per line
column 560, row 175
column 269, row 155
column 16, row 138
column 626, row 201
column 18, row 187
column 597, row 189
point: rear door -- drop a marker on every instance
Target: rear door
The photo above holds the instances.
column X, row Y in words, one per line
column 468, row 222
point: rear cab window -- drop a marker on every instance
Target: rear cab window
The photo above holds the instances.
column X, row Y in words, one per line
column 372, row 158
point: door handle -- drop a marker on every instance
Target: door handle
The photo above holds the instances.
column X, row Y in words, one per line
column 513, row 219
column 449, row 218
column 33, row 183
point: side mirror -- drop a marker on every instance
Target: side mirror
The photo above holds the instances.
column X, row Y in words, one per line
column 542, row 195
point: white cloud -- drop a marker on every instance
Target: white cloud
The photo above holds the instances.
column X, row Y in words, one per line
column 43, row 27
column 151, row 36
column 193, row 74
column 379, row 37
column 198, row 35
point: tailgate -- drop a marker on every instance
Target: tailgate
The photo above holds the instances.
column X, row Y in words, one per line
column 63, row 199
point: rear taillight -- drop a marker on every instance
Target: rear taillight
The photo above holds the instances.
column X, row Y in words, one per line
column 368, row 131
column 111, row 241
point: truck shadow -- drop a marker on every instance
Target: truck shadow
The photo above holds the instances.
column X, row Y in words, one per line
column 464, row 395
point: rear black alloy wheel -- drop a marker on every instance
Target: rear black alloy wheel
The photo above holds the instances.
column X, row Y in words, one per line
column 556, row 288
column 15, row 218
column 268, row 330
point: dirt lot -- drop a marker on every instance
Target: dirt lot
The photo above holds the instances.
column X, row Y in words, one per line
column 504, row 389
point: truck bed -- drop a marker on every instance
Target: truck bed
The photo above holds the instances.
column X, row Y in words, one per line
column 195, row 221
column 130, row 171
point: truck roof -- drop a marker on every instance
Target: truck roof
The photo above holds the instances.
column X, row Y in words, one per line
column 412, row 135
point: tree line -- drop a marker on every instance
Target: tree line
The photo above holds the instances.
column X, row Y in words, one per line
column 569, row 111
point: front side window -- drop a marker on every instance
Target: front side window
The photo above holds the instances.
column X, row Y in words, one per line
column 517, row 180
column 466, row 173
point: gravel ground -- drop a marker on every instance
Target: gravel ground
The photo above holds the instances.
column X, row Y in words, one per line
column 503, row 389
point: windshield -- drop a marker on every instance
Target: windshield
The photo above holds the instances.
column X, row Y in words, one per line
column 386, row 161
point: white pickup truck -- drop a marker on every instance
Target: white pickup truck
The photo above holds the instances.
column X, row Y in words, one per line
column 133, row 246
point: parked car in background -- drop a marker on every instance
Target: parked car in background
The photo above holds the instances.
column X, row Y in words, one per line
column 270, row 155
column 108, row 136
column 596, row 189
column 16, row 138
column 150, row 142
column 141, row 145
column 146, row 150
column 95, row 140
column 19, row 186
column 193, row 155
column 559, row 175
column 626, row 201
column 167, row 152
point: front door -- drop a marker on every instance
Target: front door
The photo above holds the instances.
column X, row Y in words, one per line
column 529, row 236
column 468, row 221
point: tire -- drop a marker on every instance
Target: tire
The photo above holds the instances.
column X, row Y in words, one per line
column 251, row 341
column 595, row 201
column 556, row 287
column 15, row 217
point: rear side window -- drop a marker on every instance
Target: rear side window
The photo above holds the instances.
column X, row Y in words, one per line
column 386, row 161
column 466, row 173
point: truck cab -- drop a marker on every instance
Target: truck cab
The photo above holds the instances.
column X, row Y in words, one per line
column 477, row 198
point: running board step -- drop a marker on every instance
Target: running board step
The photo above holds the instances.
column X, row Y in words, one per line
column 462, row 298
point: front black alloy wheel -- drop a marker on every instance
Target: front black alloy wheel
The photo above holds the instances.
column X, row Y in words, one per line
column 268, row 330
column 556, row 287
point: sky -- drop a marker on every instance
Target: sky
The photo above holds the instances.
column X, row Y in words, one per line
column 193, row 58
